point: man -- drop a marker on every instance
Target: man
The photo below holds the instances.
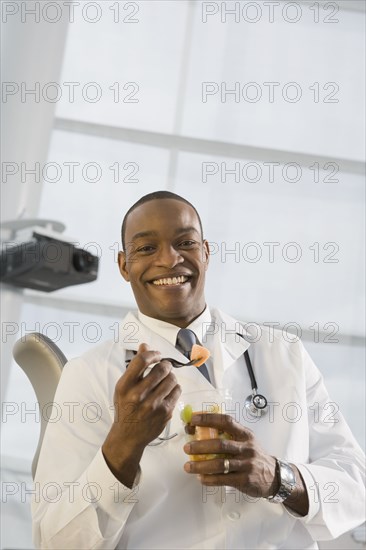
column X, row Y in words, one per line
column 120, row 478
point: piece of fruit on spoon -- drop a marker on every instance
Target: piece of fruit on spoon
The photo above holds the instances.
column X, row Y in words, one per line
column 199, row 355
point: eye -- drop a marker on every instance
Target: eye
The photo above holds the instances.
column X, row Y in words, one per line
column 146, row 249
column 188, row 243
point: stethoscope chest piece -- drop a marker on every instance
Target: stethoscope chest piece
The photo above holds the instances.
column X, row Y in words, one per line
column 256, row 404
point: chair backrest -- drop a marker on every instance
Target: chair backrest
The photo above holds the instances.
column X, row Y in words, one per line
column 42, row 361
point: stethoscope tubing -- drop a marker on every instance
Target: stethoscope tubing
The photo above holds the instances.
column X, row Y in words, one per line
column 248, row 362
column 256, row 403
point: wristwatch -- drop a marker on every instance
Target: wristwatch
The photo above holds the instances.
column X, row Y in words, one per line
column 287, row 479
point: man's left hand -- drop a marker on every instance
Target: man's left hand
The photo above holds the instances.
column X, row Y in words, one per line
column 251, row 470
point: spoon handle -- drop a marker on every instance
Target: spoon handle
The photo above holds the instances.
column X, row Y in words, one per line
column 174, row 362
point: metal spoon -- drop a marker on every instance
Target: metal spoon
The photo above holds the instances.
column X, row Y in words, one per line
column 175, row 362
column 178, row 363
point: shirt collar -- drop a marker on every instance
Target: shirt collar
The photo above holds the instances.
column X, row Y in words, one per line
column 169, row 331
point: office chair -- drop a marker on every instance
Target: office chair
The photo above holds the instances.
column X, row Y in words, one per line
column 42, row 361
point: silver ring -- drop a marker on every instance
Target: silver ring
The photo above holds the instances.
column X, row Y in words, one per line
column 226, row 466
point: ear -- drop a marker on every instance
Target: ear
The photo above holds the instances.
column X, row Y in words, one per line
column 206, row 253
column 122, row 264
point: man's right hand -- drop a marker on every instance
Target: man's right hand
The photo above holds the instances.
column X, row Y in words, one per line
column 143, row 407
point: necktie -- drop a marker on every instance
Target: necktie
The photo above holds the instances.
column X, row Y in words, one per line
column 186, row 338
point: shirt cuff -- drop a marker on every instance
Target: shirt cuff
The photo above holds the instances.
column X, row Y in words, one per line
column 106, row 491
column 313, row 495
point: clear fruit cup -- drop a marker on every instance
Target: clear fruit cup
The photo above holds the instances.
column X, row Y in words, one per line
column 204, row 401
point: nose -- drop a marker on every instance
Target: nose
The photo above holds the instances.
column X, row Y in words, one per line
column 168, row 257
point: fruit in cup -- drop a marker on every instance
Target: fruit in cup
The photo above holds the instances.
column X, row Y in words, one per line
column 186, row 414
column 199, row 433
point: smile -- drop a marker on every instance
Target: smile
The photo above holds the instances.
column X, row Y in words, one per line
column 171, row 281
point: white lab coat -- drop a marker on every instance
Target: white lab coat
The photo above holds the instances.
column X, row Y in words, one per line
column 78, row 503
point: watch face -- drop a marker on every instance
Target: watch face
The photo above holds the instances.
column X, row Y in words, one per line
column 287, row 482
column 287, row 474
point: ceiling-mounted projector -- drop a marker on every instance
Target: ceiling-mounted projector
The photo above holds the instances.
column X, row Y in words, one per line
column 42, row 258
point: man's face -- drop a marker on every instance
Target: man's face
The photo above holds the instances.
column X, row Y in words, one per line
column 165, row 261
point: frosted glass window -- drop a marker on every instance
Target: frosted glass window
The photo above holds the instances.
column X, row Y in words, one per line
column 303, row 282
column 328, row 117
column 139, row 60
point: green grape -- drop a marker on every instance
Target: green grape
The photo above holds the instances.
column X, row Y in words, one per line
column 186, row 414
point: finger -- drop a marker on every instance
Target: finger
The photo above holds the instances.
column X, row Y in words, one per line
column 172, row 397
column 223, row 422
column 190, row 430
column 215, row 466
column 162, row 390
column 143, row 347
column 143, row 359
column 159, row 371
column 217, row 446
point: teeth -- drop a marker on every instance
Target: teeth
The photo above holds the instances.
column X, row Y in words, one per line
column 171, row 281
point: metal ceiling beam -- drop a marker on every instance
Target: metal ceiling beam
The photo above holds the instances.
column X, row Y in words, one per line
column 203, row 146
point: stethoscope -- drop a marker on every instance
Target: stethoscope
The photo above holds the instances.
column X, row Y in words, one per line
column 256, row 404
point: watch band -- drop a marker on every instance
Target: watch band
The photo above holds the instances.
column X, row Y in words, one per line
column 287, row 480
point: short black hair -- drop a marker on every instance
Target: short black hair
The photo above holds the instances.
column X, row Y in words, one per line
column 155, row 196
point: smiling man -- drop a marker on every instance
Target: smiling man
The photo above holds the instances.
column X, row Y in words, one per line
column 165, row 258
column 125, row 477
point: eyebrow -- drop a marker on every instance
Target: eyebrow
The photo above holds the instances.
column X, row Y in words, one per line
column 178, row 231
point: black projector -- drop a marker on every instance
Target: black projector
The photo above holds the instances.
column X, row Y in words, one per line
column 47, row 264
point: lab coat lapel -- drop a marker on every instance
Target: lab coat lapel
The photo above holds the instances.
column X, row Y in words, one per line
column 228, row 347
